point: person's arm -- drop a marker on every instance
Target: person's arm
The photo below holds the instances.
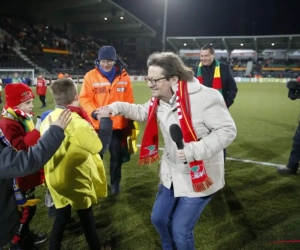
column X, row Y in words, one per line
column 105, row 133
column 45, row 83
column 12, row 134
column 21, row 163
column 221, row 125
column 232, row 88
column 87, row 96
column 136, row 112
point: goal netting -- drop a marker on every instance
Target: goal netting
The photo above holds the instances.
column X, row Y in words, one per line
column 26, row 75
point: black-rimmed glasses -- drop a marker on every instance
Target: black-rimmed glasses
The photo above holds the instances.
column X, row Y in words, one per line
column 153, row 81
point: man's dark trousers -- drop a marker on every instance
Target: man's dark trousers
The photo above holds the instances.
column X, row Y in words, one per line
column 294, row 159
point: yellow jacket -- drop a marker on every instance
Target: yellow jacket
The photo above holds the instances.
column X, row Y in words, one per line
column 75, row 175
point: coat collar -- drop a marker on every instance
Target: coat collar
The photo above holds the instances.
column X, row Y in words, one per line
column 193, row 86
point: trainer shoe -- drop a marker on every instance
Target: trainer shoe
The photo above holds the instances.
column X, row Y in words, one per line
column 286, row 170
column 115, row 189
column 38, row 238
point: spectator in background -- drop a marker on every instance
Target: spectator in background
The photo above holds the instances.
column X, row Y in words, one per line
column 60, row 75
column 16, row 78
column 108, row 82
column 41, row 89
column 67, row 76
column 213, row 74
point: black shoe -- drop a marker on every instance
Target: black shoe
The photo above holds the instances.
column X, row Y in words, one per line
column 286, row 170
column 115, row 189
column 37, row 238
column 15, row 247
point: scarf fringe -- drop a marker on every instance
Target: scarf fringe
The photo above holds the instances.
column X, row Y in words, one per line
column 202, row 186
column 149, row 160
column 30, row 203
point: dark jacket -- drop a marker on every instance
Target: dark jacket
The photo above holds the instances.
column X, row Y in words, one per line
column 15, row 133
column 18, row 163
column 229, row 88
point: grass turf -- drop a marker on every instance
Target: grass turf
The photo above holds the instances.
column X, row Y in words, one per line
column 256, row 207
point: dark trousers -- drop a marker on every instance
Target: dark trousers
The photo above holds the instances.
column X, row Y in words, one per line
column 43, row 99
column 295, row 153
column 26, row 217
column 86, row 217
column 115, row 150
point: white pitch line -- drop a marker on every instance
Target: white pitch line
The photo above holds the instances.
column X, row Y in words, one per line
column 256, row 162
column 245, row 160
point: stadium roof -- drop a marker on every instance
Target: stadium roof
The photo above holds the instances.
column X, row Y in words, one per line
column 96, row 17
column 230, row 43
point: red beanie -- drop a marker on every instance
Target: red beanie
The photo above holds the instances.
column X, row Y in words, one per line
column 16, row 93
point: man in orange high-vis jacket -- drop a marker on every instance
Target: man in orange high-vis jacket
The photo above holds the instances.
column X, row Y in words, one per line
column 108, row 82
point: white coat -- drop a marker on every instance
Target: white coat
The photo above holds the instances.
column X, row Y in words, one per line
column 212, row 123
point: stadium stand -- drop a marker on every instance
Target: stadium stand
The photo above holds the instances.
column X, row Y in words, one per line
column 72, row 47
column 265, row 56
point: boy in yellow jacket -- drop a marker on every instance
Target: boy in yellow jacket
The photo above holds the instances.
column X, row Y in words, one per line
column 75, row 175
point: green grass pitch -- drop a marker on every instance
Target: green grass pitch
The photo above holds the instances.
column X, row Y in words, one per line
column 256, row 207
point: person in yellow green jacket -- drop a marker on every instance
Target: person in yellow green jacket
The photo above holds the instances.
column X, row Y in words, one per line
column 75, row 175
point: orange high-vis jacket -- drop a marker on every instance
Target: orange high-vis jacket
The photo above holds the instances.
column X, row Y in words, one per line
column 97, row 91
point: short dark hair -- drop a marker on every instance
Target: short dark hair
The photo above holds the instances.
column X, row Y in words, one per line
column 63, row 90
column 208, row 46
column 171, row 64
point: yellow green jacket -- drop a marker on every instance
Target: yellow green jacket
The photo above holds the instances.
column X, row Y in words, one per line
column 75, row 175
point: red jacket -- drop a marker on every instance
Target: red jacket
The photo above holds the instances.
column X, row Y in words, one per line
column 20, row 140
column 41, row 86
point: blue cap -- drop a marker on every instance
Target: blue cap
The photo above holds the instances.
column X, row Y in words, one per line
column 107, row 53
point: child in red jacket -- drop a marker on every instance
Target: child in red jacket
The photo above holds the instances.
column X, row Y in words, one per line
column 41, row 89
column 18, row 128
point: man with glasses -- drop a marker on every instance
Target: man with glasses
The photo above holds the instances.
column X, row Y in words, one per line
column 190, row 175
column 108, row 82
